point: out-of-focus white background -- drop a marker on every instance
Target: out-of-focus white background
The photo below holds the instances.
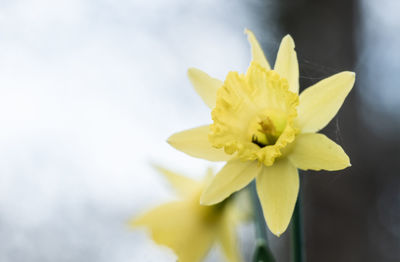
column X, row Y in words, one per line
column 89, row 92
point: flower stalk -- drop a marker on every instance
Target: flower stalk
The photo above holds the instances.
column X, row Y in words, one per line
column 298, row 254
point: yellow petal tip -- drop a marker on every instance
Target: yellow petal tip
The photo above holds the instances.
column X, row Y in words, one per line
column 249, row 34
column 289, row 40
column 191, row 71
column 288, row 37
column 172, row 142
column 206, row 202
column 169, row 141
column 276, row 233
column 351, row 74
column 348, row 163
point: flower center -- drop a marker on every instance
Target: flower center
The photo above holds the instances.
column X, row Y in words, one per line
column 265, row 130
column 253, row 116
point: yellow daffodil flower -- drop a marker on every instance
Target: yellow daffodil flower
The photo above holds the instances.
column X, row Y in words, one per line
column 265, row 130
column 189, row 228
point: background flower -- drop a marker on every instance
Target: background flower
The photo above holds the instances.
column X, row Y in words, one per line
column 189, row 228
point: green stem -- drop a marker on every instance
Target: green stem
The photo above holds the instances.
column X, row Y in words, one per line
column 298, row 253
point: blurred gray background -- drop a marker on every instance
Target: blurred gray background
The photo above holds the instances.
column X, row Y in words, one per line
column 90, row 90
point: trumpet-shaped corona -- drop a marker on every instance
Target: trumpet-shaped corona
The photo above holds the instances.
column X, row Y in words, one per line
column 254, row 115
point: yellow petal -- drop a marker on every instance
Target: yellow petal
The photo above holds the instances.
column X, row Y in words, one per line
column 178, row 226
column 256, row 50
column 320, row 102
column 316, row 152
column 227, row 238
column 204, row 85
column 183, row 185
column 235, row 175
column 286, row 63
column 277, row 188
column 194, row 142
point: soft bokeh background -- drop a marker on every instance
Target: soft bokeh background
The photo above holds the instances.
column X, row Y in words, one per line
column 90, row 90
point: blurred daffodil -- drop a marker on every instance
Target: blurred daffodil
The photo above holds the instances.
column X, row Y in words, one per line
column 189, row 228
column 265, row 130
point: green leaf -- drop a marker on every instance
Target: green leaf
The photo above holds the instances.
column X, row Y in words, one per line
column 262, row 252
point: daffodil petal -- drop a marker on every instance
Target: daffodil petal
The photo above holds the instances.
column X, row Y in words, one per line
column 320, row 102
column 277, row 188
column 316, row 152
column 256, row 50
column 235, row 175
column 205, row 86
column 194, row 142
column 286, row 63
column 179, row 227
column 183, row 185
column 227, row 238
